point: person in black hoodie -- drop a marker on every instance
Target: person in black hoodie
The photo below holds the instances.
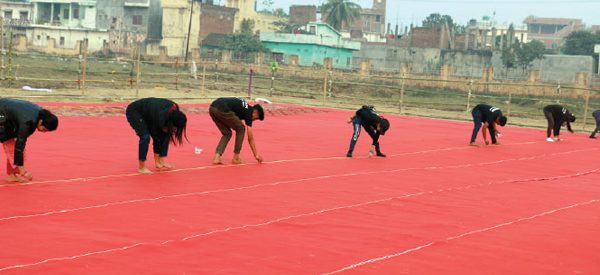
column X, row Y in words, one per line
column 18, row 120
column 160, row 119
column 557, row 116
column 228, row 113
column 374, row 124
column 488, row 117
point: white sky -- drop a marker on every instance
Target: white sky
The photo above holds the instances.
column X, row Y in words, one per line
column 404, row 12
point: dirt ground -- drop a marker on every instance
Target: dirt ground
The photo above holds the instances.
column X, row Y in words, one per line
column 183, row 95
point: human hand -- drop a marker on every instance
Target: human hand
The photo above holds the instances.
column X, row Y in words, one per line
column 258, row 158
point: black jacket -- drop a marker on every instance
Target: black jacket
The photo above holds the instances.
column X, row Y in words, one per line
column 18, row 119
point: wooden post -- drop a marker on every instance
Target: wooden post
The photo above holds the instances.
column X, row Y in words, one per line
column 177, row 73
column 402, row 82
column 202, row 90
column 330, row 88
column 470, row 95
column 587, row 106
column 558, row 93
column 325, row 86
column 84, row 73
column 138, row 72
column 250, row 75
column 509, row 103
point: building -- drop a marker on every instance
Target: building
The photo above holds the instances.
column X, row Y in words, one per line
column 551, row 31
column 263, row 22
column 127, row 22
column 489, row 34
column 371, row 23
column 60, row 26
column 303, row 14
column 16, row 16
column 174, row 29
column 320, row 42
column 216, row 19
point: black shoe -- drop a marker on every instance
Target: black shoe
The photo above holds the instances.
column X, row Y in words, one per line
column 593, row 137
column 380, row 154
column 349, row 154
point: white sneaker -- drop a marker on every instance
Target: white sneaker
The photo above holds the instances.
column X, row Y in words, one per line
column 550, row 140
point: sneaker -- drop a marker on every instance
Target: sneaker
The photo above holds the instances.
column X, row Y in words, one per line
column 592, row 137
column 380, row 154
column 550, row 140
column 349, row 154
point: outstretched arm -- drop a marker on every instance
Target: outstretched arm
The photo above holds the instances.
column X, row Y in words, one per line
column 253, row 144
column 484, row 132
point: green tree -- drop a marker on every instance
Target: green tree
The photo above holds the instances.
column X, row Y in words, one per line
column 509, row 57
column 529, row 52
column 243, row 42
column 436, row 20
column 580, row 43
column 267, row 5
column 285, row 26
column 338, row 13
column 280, row 12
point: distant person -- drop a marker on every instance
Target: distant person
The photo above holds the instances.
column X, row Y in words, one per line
column 374, row 124
column 557, row 116
column 489, row 117
column 18, row 120
column 596, row 115
column 161, row 120
column 232, row 113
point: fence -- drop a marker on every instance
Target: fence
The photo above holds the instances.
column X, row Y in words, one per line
column 432, row 95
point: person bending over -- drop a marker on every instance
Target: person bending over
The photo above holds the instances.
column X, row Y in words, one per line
column 373, row 123
column 557, row 116
column 18, row 120
column 231, row 113
column 488, row 117
column 161, row 120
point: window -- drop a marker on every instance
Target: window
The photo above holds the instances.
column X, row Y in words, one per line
column 348, row 60
column 75, row 13
column 8, row 14
column 137, row 20
column 66, row 13
column 313, row 29
column 24, row 15
column 377, row 18
column 39, row 37
column 62, row 40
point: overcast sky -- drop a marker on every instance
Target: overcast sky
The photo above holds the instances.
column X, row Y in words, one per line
column 406, row 11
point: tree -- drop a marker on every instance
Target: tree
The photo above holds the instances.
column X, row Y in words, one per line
column 287, row 26
column 267, row 5
column 436, row 20
column 338, row 13
column 280, row 12
column 509, row 57
column 243, row 42
column 580, row 43
column 529, row 52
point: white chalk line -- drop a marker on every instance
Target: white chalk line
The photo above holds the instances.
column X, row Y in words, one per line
column 110, row 204
column 93, row 178
column 390, row 256
column 314, row 213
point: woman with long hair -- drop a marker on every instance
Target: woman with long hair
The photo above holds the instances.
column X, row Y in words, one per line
column 159, row 119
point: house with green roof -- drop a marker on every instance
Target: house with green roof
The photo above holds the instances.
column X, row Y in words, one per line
column 317, row 42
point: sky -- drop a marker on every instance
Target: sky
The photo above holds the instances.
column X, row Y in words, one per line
column 405, row 12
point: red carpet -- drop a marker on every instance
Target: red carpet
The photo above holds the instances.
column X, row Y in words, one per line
column 434, row 206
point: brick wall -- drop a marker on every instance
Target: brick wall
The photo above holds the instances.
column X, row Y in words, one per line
column 216, row 19
column 303, row 14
